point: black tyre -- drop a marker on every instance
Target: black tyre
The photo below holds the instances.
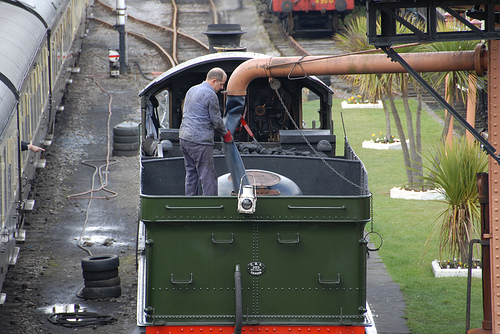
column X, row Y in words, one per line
column 125, row 139
column 126, row 146
column 104, row 282
column 126, row 129
column 100, row 263
column 120, row 153
column 100, row 275
column 101, row 292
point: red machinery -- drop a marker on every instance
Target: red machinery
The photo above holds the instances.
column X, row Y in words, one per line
column 311, row 16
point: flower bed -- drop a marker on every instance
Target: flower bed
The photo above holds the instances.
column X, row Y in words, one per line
column 347, row 105
column 396, row 145
column 453, row 272
column 398, row 192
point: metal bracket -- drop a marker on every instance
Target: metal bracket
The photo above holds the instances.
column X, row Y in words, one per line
column 321, row 281
column 391, row 53
column 229, row 241
column 284, row 241
column 187, row 281
column 289, row 76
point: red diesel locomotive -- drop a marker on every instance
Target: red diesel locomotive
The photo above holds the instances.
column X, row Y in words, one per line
column 311, row 16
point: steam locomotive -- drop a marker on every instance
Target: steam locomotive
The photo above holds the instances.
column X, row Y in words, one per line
column 40, row 44
column 311, row 16
column 283, row 251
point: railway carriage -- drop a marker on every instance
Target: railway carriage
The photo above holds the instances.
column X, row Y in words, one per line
column 40, row 42
column 285, row 252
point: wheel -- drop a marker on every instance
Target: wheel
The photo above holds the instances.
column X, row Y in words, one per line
column 100, row 275
column 101, row 292
column 100, row 263
column 104, row 282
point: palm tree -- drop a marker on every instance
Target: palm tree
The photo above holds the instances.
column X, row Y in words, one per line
column 452, row 170
column 370, row 85
column 404, row 80
column 454, row 81
column 383, row 87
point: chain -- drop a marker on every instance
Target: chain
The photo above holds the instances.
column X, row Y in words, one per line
column 333, row 170
column 312, row 148
column 371, row 211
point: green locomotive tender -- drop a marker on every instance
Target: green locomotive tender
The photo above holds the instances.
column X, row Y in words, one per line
column 296, row 261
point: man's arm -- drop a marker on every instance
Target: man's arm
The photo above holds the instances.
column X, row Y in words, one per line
column 215, row 116
column 27, row 146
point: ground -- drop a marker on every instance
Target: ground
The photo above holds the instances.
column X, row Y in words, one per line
column 49, row 271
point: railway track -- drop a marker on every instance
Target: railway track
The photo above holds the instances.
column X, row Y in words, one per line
column 289, row 46
column 174, row 29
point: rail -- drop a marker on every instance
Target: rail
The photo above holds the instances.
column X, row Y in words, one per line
column 172, row 58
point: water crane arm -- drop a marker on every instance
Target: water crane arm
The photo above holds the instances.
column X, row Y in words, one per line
column 294, row 67
column 486, row 145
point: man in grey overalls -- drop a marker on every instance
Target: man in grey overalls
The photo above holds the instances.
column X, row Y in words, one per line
column 200, row 118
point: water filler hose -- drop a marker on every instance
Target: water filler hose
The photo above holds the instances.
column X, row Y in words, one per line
column 234, row 108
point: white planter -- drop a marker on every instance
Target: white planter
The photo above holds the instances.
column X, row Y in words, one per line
column 381, row 146
column 346, row 105
column 438, row 272
column 428, row 195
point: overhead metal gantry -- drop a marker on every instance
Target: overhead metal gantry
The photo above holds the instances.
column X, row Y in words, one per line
column 431, row 12
column 391, row 12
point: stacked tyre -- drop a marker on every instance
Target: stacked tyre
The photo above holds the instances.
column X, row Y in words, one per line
column 126, row 139
column 101, row 277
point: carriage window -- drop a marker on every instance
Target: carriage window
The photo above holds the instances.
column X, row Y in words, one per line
column 310, row 106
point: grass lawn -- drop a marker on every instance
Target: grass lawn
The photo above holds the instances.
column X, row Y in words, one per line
column 433, row 305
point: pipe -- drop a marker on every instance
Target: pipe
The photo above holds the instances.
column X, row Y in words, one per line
column 469, row 280
column 483, row 191
column 120, row 26
column 352, row 64
column 239, row 302
column 298, row 67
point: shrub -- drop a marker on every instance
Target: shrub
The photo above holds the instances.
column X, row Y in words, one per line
column 452, row 170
